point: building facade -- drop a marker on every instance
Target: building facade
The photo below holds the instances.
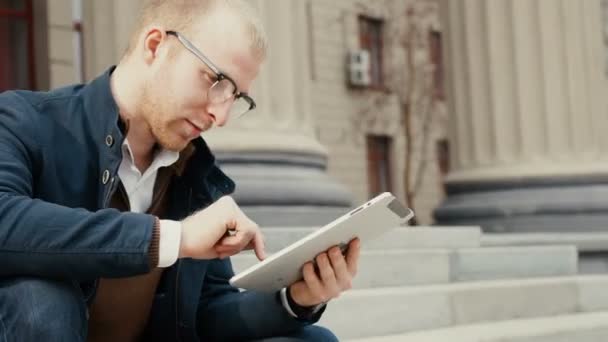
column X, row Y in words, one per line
column 362, row 126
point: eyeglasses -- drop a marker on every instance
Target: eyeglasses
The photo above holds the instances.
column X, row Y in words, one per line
column 224, row 88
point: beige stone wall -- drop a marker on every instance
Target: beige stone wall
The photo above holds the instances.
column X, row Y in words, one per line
column 106, row 24
column 345, row 116
column 604, row 4
column 60, row 45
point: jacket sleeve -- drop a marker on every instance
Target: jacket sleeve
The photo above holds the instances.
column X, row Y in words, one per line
column 225, row 314
column 38, row 238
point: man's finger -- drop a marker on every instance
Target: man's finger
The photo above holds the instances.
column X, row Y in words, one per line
column 313, row 282
column 233, row 241
column 328, row 277
column 252, row 230
column 352, row 256
column 258, row 245
column 226, row 249
column 343, row 276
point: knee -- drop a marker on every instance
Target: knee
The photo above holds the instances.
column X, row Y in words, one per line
column 43, row 310
column 317, row 334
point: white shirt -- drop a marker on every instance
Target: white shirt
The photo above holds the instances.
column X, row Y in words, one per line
column 140, row 190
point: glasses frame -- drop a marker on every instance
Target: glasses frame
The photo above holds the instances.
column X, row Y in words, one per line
column 220, row 76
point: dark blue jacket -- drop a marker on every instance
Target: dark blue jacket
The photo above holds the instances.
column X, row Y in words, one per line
column 55, row 222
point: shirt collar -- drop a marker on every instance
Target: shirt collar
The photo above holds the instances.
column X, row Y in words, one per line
column 162, row 157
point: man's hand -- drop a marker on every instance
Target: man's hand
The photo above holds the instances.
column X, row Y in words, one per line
column 335, row 275
column 219, row 231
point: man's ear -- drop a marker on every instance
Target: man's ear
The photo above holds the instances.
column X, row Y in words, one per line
column 152, row 44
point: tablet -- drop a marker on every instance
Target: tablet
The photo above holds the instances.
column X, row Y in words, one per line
column 368, row 221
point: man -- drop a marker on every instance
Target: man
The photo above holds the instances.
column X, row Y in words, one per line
column 115, row 223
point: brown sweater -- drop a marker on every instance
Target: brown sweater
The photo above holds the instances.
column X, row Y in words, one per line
column 121, row 306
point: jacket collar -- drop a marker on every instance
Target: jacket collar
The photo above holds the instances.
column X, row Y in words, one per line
column 101, row 110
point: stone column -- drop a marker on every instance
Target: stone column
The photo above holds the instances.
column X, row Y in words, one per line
column 272, row 153
column 529, row 128
column 107, row 27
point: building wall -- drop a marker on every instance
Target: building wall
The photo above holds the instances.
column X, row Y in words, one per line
column 60, row 44
column 345, row 116
column 107, row 29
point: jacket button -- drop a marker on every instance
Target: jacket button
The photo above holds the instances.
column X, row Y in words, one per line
column 105, row 177
column 109, row 140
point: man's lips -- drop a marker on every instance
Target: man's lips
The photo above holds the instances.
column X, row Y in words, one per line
column 197, row 128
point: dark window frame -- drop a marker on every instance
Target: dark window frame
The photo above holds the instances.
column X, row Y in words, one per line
column 26, row 14
column 380, row 149
column 371, row 38
column 436, row 58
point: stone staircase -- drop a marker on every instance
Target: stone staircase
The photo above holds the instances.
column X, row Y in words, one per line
column 456, row 284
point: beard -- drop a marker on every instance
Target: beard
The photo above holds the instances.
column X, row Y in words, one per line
column 158, row 115
column 165, row 137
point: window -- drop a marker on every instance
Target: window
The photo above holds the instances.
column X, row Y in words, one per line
column 436, row 56
column 379, row 164
column 16, row 45
column 370, row 35
column 443, row 160
column 443, row 156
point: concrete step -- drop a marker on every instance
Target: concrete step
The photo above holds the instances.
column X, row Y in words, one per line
column 401, row 237
column 379, row 268
column 592, row 246
column 582, row 327
column 513, row 262
column 387, row 311
column 584, row 242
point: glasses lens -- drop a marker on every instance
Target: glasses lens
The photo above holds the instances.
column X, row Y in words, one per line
column 239, row 107
column 221, row 91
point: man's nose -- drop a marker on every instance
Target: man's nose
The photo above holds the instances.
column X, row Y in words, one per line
column 221, row 112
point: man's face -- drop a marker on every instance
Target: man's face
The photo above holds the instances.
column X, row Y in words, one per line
column 174, row 101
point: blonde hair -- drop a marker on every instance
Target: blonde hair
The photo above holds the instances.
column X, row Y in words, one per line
column 179, row 15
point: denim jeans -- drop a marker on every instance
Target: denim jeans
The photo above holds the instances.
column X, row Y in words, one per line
column 33, row 309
